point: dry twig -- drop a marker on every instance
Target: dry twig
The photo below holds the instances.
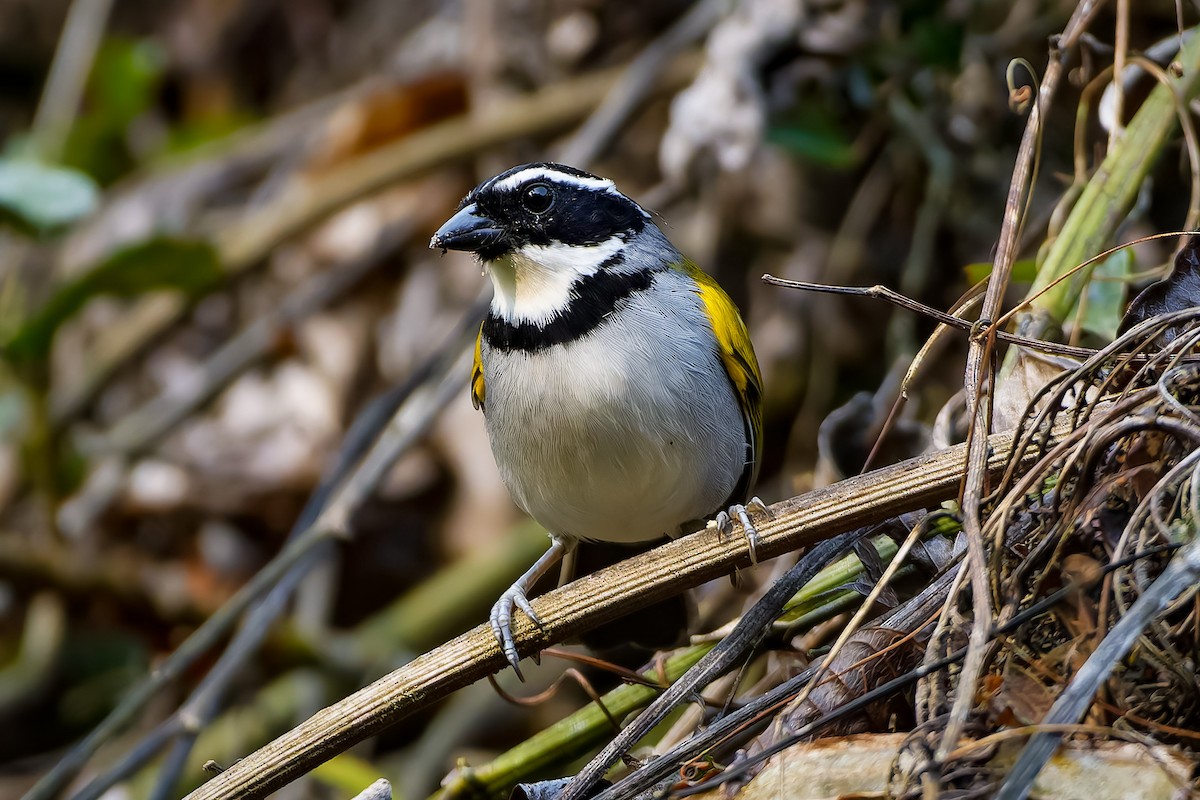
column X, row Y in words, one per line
column 593, row 600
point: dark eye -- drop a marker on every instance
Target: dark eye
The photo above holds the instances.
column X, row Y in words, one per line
column 538, row 198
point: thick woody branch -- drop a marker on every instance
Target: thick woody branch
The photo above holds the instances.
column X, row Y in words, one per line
column 593, row 600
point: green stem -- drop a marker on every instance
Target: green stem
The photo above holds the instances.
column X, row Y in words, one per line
column 1112, row 190
column 579, row 733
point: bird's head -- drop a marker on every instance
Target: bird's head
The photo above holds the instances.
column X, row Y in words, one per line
column 541, row 230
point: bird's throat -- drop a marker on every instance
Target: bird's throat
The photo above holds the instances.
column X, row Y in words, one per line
column 536, row 283
column 595, row 299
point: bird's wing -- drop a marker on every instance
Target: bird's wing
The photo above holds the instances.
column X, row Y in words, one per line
column 478, row 387
column 741, row 365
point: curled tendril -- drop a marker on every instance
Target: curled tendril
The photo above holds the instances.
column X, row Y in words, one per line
column 699, row 769
column 1020, row 98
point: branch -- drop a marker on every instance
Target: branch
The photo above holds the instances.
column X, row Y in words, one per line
column 81, row 35
column 744, row 636
column 330, row 523
column 141, row 429
column 593, row 600
column 555, row 106
column 880, row 292
column 978, row 379
column 308, row 202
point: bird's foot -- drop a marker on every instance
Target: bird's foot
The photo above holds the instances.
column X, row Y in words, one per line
column 517, row 596
column 501, row 619
column 724, row 523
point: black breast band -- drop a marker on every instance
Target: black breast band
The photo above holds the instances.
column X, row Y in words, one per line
column 593, row 298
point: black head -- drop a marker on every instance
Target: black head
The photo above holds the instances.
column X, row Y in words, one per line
column 539, row 204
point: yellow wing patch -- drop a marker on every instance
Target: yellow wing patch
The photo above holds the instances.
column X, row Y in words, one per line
column 737, row 355
column 478, row 387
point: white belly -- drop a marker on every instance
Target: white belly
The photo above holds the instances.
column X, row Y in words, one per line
column 616, row 438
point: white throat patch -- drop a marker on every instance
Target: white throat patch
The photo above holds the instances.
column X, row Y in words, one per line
column 533, row 284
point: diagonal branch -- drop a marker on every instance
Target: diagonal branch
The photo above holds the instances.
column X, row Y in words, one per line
column 593, row 600
column 331, row 513
column 251, row 239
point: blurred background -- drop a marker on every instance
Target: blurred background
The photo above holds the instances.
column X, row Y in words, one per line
column 214, row 217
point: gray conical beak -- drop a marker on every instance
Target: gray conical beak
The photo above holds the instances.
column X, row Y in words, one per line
column 467, row 230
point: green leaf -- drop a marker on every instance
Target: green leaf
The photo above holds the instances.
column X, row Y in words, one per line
column 123, row 85
column 812, row 132
column 348, row 774
column 195, row 133
column 1023, row 271
column 821, row 147
column 125, row 77
column 1106, row 294
column 1113, row 189
column 39, row 198
column 164, row 263
column 936, row 42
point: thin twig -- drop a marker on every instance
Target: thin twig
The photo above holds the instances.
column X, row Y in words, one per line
column 636, row 82
column 1181, row 575
column 860, row 615
column 899, row 619
column 732, row 648
column 81, row 35
column 244, row 245
column 329, row 509
column 978, row 385
column 884, row 293
column 593, row 600
column 909, row 616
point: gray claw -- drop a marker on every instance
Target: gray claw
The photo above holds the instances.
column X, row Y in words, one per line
column 501, row 620
column 724, row 523
column 749, row 531
column 523, row 603
column 758, row 505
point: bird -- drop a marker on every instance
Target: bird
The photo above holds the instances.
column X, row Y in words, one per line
column 620, row 390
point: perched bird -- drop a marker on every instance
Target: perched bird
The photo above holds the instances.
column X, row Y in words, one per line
column 619, row 387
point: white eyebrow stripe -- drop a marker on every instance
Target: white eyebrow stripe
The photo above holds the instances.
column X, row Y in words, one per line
column 555, row 176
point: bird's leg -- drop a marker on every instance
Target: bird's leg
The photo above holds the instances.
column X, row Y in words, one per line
column 516, row 597
column 567, row 572
column 724, row 523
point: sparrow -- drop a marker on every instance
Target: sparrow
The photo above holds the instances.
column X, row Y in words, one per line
column 619, row 387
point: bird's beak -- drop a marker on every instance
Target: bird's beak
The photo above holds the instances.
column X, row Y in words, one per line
column 467, row 230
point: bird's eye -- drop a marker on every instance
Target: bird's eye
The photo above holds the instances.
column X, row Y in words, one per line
column 538, row 198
